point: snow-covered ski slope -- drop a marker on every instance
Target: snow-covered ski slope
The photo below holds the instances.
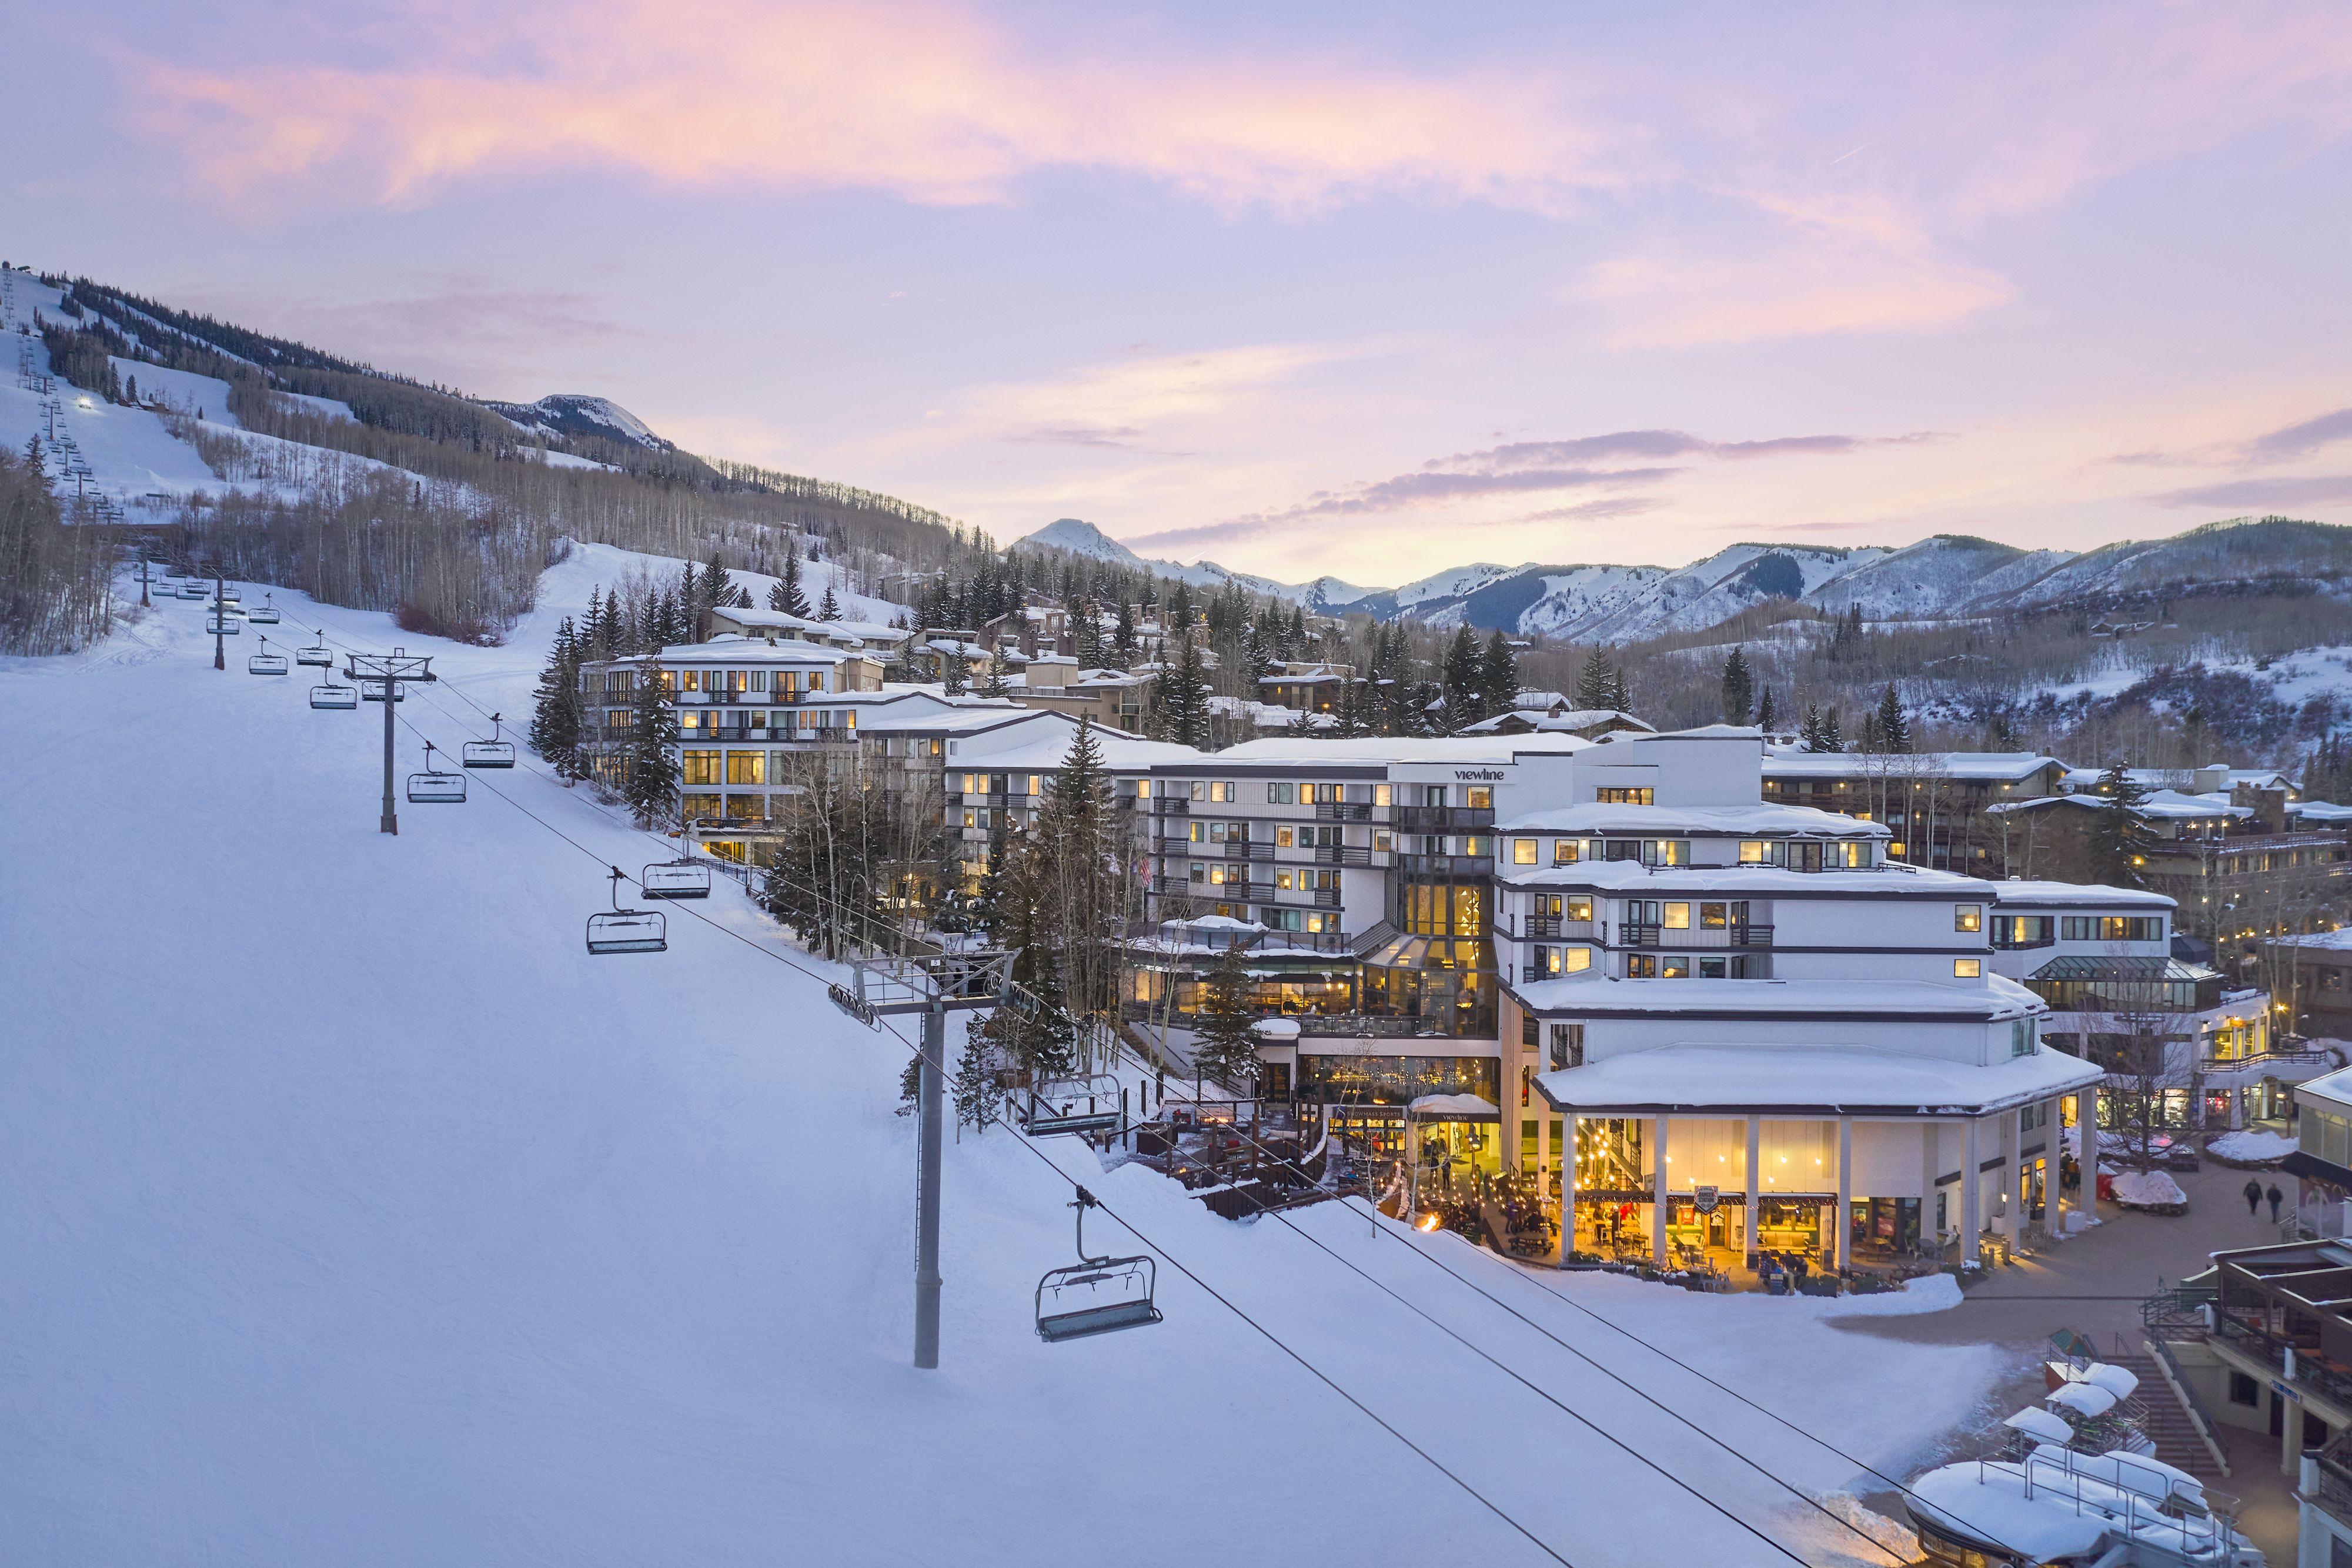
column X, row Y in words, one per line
column 350, row 1213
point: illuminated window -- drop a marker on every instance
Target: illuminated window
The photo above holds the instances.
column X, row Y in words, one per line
column 1383, row 794
column 1968, row 968
column 1575, row 960
column 1565, row 851
column 1626, row 797
column 700, row 767
column 1522, row 852
column 745, row 767
column 1968, row 917
column 1482, row 798
column 1580, row 907
column 1676, row 918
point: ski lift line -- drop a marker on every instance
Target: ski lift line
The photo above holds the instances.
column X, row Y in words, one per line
column 1177, row 1263
column 1047, row 1160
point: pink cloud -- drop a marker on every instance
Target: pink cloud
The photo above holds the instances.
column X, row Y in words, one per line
column 923, row 100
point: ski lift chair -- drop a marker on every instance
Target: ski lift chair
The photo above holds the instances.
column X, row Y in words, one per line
column 1057, row 1106
column 194, row 590
column 1094, row 1295
column 490, row 752
column 372, row 691
column 332, row 696
column 320, row 654
column 677, row 879
column 265, row 613
column 223, row 626
column 265, row 663
column 619, row 930
column 435, row 788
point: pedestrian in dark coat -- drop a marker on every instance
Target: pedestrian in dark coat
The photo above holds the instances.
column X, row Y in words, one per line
column 2253, row 1197
column 2276, row 1198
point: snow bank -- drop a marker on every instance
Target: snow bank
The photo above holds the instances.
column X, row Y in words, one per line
column 2252, row 1148
column 2147, row 1189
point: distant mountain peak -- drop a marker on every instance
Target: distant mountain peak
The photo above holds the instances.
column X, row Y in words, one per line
column 583, row 414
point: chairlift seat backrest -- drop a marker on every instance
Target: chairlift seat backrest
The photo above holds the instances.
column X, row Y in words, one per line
column 223, row 626
column 678, row 879
column 628, row 931
column 373, row 691
column 1082, row 1298
column 262, row 616
column 267, row 664
column 334, row 696
column 488, row 754
column 321, row 655
column 437, row 788
column 1061, row 1106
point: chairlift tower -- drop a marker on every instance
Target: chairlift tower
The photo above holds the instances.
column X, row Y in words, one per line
column 391, row 669
column 934, row 985
column 220, row 619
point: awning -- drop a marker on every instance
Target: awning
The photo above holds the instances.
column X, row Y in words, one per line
column 1808, row 1080
column 2311, row 1166
column 1454, row 1108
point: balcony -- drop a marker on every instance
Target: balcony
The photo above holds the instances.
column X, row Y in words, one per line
column 1549, row 926
column 1675, row 938
column 1446, row 819
column 1170, row 806
column 1248, row 849
column 1343, row 812
column 1340, row 854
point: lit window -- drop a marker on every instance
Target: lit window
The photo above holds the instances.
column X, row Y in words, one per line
column 1564, row 851
column 1627, row 796
column 1755, row 852
column 1383, row 794
column 1522, row 852
column 1579, row 908
column 1968, row 917
column 1676, row 918
column 1968, row 968
column 1482, row 798
column 1575, row 960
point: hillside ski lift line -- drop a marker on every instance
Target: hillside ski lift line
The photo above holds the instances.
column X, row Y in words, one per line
column 1096, row 1295
column 1058, row 1107
column 318, row 653
column 435, row 788
column 620, row 930
column 389, row 673
column 265, row 663
column 931, row 984
column 676, row 879
column 334, row 696
column 372, row 691
column 219, row 625
column 265, row 613
column 497, row 753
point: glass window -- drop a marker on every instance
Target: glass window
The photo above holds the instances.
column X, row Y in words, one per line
column 1968, row 968
column 1382, row 842
column 1575, row 960
column 1481, row 797
column 700, row 767
column 745, row 767
column 1676, row 918
column 1676, row 967
column 1759, row 851
column 1580, row 907
column 1713, row 916
column 1383, row 794
column 1629, row 796
column 1968, row 917
column 1522, row 852
column 1564, row 851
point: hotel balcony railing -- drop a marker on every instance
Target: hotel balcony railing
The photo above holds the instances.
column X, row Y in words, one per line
column 2272, row 1350
column 1340, row 854
column 1343, row 812
column 2021, row 945
column 1553, row 925
column 1446, row 819
column 1170, row 806
column 1717, row 936
column 1249, row 849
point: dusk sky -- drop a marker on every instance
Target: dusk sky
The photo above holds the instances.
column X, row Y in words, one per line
column 1298, row 289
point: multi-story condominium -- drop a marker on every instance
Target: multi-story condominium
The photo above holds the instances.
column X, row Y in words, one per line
column 777, row 625
column 1706, row 1021
column 1306, row 686
column 1935, row 803
column 2311, row 979
column 2204, row 1053
column 1551, row 713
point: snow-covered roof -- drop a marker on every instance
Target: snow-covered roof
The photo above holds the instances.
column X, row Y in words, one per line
column 2161, row 805
column 732, row 649
column 1678, row 822
column 955, row 720
column 1121, row 753
column 1892, row 880
column 1573, row 720
column 1593, row 994
column 2078, row 778
column 2336, row 941
column 1997, row 766
column 2019, row 893
column 1390, row 750
column 2320, row 812
column 1275, row 1028
column 1826, row 1078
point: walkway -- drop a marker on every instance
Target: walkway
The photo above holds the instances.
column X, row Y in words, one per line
column 2093, row 1284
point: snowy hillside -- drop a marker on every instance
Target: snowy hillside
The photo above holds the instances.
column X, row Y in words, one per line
column 1074, row 537
column 1938, row 576
column 576, row 413
column 352, row 1214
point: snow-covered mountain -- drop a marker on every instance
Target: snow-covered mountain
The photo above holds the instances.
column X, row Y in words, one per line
column 1073, row 536
column 578, row 413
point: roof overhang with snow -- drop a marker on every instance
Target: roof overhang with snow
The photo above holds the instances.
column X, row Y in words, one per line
column 1791, row 1081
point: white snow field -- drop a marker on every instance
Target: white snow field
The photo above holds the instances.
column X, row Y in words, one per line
column 350, row 1213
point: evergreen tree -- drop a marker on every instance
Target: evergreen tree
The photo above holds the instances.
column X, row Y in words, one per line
column 1184, row 697
column 1596, row 682
column 1808, row 728
column 1621, row 700
column 1124, row 648
column 1738, row 687
column 787, row 596
column 717, row 592
column 828, row 608
column 556, row 713
column 1348, row 714
column 1500, row 680
column 2116, row 848
column 1226, row 1046
column 955, row 674
column 1832, row 734
column 1046, row 1040
column 1893, row 726
column 996, row 684
column 1767, row 715
column 911, row 1085
column 1460, row 678
column 650, row 783
column 974, row 1087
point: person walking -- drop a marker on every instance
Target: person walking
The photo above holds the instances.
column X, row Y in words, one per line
column 2253, row 1197
column 2276, row 1198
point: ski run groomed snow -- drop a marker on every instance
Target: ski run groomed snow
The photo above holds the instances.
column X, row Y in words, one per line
column 352, row 1215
